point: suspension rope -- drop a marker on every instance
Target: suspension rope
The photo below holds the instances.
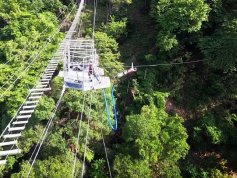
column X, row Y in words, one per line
column 94, row 19
column 78, row 135
column 88, row 120
column 45, row 132
column 106, row 153
column 87, row 131
column 114, row 127
column 33, row 60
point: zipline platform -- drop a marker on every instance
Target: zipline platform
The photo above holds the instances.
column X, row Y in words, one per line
column 81, row 66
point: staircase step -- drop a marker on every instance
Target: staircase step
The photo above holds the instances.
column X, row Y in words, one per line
column 41, row 86
column 15, row 128
column 34, row 97
column 8, row 143
column 29, row 107
column 23, row 116
column 44, row 77
column 20, row 122
column 51, row 68
column 48, row 72
column 2, row 162
column 26, row 111
column 53, row 65
column 37, row 93
column 44, row 82
column 12, row 135
column 53, row 62
column 40, row 89
column 32, row 102
column 10, row 152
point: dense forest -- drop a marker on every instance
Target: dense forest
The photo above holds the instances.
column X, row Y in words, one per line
column 176, row 114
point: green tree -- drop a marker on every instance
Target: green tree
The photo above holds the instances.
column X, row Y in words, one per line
column 116, row 29
column 53, row 167
column 180, row 15
column 43, row 111
column 57, row 85
column 219, row 48
column 30, row 137
column 158, row 138
column 98, row 169
column 126, row 166
column 109, row 55
column 166, row 41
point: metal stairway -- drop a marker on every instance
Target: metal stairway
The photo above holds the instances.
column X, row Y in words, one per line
column 8, row 144
column 8, row 138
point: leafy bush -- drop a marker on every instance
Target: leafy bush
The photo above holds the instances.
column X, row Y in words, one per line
column 116, row 29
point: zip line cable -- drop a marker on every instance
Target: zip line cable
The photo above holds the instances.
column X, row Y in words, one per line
column 165, row 64
column 161, row 64
column 45, row 132
column 86, row 139
column 20, row 76
column 88, row 120
column 80, row 122
column 106, row 153
column 78, row 135
column 94, row 19
column 89, row 115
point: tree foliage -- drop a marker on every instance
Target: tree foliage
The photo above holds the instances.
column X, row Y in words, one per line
column 178, row 16
column 183, row 15
column 219, row 48
column 114, row 28
column 153, row 127
column 125, row 166
column 53, row 167
column 108, row 50
column 156, row 137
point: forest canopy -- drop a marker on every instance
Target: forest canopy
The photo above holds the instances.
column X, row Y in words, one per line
column 176, row 114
